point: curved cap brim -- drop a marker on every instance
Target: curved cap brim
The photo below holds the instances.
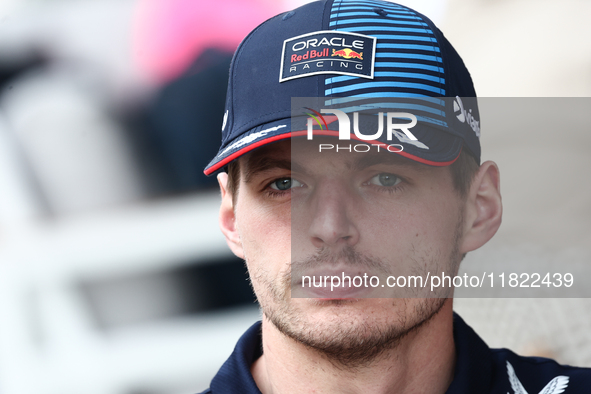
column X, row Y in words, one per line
column 433, row 146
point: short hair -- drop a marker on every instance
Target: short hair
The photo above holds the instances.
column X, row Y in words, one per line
column 233, row 179
column 462, row 170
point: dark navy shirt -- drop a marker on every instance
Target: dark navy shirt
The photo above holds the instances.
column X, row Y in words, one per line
column 479, row 369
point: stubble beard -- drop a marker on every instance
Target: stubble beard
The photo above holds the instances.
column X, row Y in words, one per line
column 346, row 340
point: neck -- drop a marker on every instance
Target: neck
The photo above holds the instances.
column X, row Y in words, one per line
column 422, row 362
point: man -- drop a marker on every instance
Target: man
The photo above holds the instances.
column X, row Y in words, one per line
column 313, row 194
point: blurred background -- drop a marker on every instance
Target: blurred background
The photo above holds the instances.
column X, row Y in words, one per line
column 114, row 277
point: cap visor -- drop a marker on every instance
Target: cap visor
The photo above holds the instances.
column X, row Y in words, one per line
column 432, row 146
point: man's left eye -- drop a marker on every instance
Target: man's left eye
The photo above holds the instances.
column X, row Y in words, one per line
column 285, row 184
column 385, row 179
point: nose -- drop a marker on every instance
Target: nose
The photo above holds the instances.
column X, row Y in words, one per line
column 333, row 222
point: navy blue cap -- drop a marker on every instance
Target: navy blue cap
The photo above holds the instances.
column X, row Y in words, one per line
column 348, row 51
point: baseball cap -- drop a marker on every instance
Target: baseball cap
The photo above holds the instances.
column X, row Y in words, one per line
column 346, row 53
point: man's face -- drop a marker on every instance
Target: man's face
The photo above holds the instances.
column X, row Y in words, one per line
column 356, row 212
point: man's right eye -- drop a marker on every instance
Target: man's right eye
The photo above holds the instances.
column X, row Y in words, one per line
column 285, row 184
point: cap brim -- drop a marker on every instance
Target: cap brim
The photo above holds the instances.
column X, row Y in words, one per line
column 254, row 138
column 434, row 146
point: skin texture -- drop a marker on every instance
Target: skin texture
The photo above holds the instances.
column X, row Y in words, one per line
column 357, row 212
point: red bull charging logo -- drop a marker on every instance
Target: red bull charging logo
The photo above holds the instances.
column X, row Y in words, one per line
column 347, row 53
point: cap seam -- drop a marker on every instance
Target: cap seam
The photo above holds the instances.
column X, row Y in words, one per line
column 235, row 66
column 434, row 43
column 322, row 78
column 448, row 75
column 335, row 28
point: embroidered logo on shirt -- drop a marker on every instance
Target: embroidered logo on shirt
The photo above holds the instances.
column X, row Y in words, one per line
column 555, row 386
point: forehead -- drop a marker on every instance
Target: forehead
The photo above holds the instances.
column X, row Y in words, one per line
column 301, row 155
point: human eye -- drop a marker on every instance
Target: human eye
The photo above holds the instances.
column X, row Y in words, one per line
column 385, row 180
column 284, row 184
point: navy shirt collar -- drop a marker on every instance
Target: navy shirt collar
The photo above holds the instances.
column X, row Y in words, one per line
column 472, row 372
column 234, row 376
column 473, row 361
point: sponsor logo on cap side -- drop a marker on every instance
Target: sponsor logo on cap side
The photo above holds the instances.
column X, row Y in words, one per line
column 250, row 138
column 466, row 116
column 225, row 120
column 328, row 52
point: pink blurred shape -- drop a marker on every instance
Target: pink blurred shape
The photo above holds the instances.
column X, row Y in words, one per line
column 169, row 34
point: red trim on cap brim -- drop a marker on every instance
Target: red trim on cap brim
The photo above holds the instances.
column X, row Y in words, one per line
column 244, row 150
column 331, row 133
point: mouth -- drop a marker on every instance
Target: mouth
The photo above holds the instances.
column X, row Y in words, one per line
column 337, row 293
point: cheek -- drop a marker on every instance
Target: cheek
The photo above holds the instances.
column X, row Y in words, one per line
column 265, row 234
column 436, row 229
column 425, row 225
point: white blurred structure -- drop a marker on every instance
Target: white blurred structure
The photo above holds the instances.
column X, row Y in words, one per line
column 49, row 341
column 76, row 152
column 72, row 210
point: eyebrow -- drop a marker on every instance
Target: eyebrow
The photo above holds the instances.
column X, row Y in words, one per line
column 259, row 164
column 384, row 158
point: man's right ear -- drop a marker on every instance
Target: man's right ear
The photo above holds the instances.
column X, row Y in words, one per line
column 228, row 218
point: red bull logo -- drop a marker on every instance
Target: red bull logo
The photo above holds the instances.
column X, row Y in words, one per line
column 313, row 53
column 347, row 53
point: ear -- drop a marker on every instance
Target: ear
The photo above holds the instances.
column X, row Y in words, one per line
column 484, row 209
column 227, row 218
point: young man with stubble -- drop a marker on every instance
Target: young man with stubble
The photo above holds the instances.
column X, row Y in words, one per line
column 315, row 193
